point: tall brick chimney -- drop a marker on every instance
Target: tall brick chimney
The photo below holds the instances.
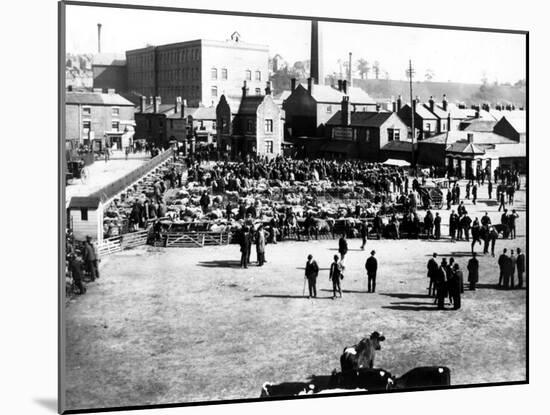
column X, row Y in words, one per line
column 399, row 102
column 177, row 105
column 309, row 84
column 244, row 89
column 156, row 104
column 292, row 84
column 268, row 88
column 183, row 104
column 432, row 103
column 340, row 85
column 444, row 102
column 345, row 112
column 316, row 71
column 99, row 38
column 345, row 86
column 142, row 104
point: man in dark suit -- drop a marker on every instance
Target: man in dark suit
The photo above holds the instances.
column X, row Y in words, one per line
column 501, row 265
column 437, row 226
column 455, row 285
column 473, row 271
column 343, row 246
column 432, row 274
column 312, row 270
column 520, row 265
column 441, row 284
column 245, row 243
column 371, row 266
column 335, row 276
column 90, row 258
column 76, row 273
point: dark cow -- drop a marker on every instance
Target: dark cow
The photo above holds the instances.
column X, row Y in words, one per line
column 364, row 378
column 287, row 389
column 424, row 376
column 362, row 354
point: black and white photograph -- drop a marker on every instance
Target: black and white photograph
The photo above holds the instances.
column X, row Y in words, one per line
column 260, row 207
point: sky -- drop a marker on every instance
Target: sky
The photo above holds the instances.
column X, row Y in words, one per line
column 452, row 55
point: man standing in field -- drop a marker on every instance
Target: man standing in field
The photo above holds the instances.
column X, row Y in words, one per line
column 437, row 225
column 312, row 270
column 520, row 265
column 432, row 274
column 502, row 265
column 343, row 246
column 473, row 271
column 90, row 258
column 336, row 269
column 371, row 266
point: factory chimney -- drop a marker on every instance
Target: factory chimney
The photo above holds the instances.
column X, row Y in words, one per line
column 99, row 38
column 349, row 71
column 316, row 71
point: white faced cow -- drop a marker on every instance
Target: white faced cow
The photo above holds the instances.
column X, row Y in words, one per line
column 362, row 354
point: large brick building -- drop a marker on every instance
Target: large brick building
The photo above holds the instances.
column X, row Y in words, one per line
column 199, row 71
column 96, row 119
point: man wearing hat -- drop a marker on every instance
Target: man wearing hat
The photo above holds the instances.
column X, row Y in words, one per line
column 432, row 274
column 76, row 273
column 90, row 258
column 371, row 266
column 312, row 270
column 336, row 269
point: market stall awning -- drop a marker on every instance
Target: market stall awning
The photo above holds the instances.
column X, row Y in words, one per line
column 396, row 162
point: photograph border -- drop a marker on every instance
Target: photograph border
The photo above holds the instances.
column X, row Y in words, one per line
column 62, row 211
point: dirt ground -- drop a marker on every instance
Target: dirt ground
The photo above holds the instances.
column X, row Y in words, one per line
column 167, row 325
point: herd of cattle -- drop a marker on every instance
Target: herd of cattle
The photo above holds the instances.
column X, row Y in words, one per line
column 359, row 375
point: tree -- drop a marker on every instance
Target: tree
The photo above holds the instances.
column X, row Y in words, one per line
column 376, row 69
column 363, row 67
column 429, row 75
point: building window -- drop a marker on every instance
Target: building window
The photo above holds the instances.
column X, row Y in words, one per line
column 214, row 91
column 250, row 126
column 115, row 125
column 83, row 213
column 396, row 135
column 428, row 127
column 248, row 75
column 258, row 91
column 86, row 111
column 443, row 126
column 329, row 109
column 258, row 76
column 269, row 147
column 268, row 126
column 86, row 125
column 214, row 73
column 367, row 136
column 115, row 112
column 224, row 74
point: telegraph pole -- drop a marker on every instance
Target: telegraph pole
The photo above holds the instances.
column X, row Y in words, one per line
column 410, row 74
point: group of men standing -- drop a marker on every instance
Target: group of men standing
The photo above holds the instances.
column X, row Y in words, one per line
column 447, row 279
column 249, row 236
column 336, row 274
column 508, row 265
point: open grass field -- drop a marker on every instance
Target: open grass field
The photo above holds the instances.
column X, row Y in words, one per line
column 166, row 325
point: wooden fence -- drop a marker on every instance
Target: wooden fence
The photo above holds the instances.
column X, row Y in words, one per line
column 114, row 244
column 194, row 239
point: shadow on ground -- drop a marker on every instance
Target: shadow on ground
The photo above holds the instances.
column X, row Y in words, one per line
column 289, row 296
column 404, row 295
column 220, row 264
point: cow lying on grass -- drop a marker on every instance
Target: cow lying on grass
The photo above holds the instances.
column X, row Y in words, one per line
column 362, row 354
column 424, row 377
